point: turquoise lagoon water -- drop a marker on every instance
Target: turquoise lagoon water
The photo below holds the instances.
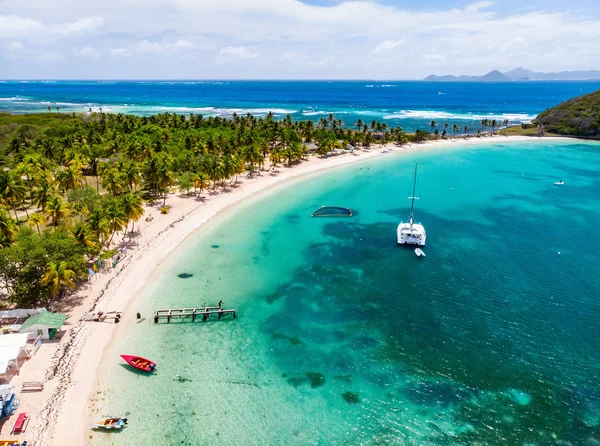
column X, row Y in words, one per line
column 345, row 338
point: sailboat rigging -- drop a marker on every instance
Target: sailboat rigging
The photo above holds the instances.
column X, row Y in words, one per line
column 411, row 233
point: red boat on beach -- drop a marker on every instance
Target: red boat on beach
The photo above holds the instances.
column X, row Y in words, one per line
column 139, row 363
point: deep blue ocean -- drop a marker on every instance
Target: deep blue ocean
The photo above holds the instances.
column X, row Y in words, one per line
column 411, row 105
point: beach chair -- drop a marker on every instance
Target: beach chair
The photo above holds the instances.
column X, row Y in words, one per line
column 32, row 386
column 20, row 423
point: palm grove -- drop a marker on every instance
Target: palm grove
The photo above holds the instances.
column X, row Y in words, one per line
column 69, row 184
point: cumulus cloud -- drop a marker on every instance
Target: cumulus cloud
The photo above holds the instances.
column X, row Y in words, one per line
column 387, row 45
column 290, row 38
column 232, row 53
column 476, row 7
column 13, row 26
column 51, row 56
column 14, row 46
column 79, row 26
column 149, row 47
column 87, row 52
column 291, row 56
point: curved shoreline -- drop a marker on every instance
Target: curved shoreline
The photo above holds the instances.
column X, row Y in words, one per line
column 86, row 341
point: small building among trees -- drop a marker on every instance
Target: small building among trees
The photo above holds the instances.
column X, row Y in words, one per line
column 45, row 324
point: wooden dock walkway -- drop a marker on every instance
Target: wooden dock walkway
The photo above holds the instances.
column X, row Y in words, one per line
column 182, row 313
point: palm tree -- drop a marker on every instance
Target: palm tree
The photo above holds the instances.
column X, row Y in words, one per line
column 275, row 158
column 131, row 175
column 166, row 179
column 36, row 220
column 69, row 178
column 45, row 189
column 133, row 208
column 98, row 223
column 112, row 181
column 81, row 233
column 33, row 166
column 12, row 191
column 201, row 181
column 57, row 277
column 8, row 228
column 57, row 209
column 116, row 219
column 433, row 125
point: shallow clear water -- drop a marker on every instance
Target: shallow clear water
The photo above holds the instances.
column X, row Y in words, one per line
column 411, row 105
column 345, row 338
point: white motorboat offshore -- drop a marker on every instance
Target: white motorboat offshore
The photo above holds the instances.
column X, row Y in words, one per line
column 559, row 183
column 411, row 233
column 419, row 252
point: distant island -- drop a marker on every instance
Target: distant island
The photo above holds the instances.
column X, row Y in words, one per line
column 579, row 116
column 519, row 74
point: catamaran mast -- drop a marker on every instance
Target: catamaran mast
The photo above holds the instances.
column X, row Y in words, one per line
column 412, row 205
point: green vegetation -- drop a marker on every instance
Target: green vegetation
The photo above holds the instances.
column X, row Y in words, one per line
column 70, row 183
column 579, row 116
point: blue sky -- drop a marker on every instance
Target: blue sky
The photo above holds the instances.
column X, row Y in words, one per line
column 292, row 39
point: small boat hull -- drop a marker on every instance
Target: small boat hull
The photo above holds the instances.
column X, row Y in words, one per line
column 559, row 183
column 139, row 363
column 419, row 252
column 110, row 424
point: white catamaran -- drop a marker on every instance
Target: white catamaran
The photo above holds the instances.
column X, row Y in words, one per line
column 411, row 233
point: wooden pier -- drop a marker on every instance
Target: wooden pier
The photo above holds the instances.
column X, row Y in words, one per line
column 182, row 313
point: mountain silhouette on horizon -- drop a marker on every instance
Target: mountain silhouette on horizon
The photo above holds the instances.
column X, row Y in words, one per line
column 518, row 74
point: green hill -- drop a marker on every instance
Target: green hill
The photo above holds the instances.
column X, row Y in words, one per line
column 579, row 116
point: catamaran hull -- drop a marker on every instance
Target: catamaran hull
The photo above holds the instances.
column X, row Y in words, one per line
column 411, row 235
column 411, row 242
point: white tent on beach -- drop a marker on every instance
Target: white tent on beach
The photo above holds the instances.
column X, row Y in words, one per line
column 12, row 347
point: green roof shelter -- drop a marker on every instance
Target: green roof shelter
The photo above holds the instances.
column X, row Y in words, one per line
column 44, row 324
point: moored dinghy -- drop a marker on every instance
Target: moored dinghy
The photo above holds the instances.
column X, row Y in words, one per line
column 419, row 252
column 139, row 363
column 110, row 423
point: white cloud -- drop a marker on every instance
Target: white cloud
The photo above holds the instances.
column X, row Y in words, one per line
column 51, row 56
column 291, row 56
column 289, row 38
column 476, row 7
column 87, row 52
column 184, row 44
column 12, row 26
column 387, row 45
column 79, row 26
column 235, row 53
column 14, row 46
column 148, row 47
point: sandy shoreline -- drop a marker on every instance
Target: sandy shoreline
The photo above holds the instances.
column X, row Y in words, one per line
column 70, row 367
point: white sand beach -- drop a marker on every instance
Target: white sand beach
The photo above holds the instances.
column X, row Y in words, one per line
column 60, row 414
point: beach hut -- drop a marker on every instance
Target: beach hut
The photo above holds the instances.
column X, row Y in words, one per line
column 12, row 348
column 45, row 324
